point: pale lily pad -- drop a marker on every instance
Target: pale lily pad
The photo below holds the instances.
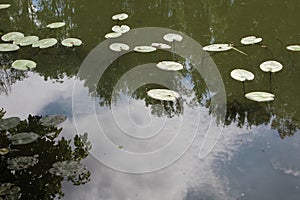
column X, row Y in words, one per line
column 113, row 35
column 293, row 47
column 22, row 162
column 242, row 75
column 217, row 47
column 8, row 123
column 120, row 29
column 144, row 49
column 119, row 47
column 24, row 65
column 25, row 41
column 70, row 42
column 4, row 5
column 271, row 66
column 12, row 36
column 163, row 94
column 5, row 47
column 120, row 17
column 250, row 40
column 52, row 120
column 9, row 191
column 260, row 96
column 161, row 45
column 56, row 25
column 171, row 37
column 45, row 43
column 169, row 66
column 68, row 168
column 23, row 138
column 4, row 151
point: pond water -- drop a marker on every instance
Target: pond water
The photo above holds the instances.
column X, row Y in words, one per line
column 211, row 143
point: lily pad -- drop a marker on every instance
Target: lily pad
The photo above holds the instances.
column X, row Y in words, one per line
column 271, row 66
column 22, row 162
column 70, row 42
column 9, row 191
column 293, row 47
column 250, row 40
column 171, row 37
column 8, row 123
column 120, row 29
column 68, row 168
column 161, row 45
column 25, row 41
column 169, row 66
column 242, row 75
column 52, row 120
column 12, row 36
column 4, row 151
column 4, row 47
column 4, row 5
column 144, row 49
column 113, row 35
column 260, row 96
column 163, row 94
column 23, row 65
column 119, row 47
column 23, row 138
column 56, row 25
column 217, row 47
column 45, row 43
column 120, row 17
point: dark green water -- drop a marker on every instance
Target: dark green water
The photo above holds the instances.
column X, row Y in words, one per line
column 256, row 156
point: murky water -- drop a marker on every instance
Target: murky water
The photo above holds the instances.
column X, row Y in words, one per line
column 204, row 146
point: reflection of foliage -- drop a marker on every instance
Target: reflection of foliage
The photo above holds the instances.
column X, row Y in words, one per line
column 27, row 166
column 9, row 191
column 284, row 125
column 8, row 77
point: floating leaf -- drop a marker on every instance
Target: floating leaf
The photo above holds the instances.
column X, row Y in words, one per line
column 163, row 94
column 9, row 191
column 4, row 5
column 23, row 138
column 293, row 47
column 68, row 168
column 113, row 35
column 161, row 46
column 121, row 16
column 242, row 75
column 8, row 123
column 217, row 47
column 250, row 40
column 45, row 43
column 144, row 49
column 4, row 47
column 119, row 47
column 260, row 96
column 4, row 151
column 271, row 66
column 22, row 162
column 12, row 36
column 70, row 42
column 52, row 120
column 24, row 65
column 56, row 25
column 170, row 37
column 120, row 29
column 25, row 41
column 169, row 66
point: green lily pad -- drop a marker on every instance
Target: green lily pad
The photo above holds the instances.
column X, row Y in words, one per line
column 171, row 37
column 25, row 41
column 293, row 47
column 52, row 120
column 119, row 47
column 112, row 35
column 12, row 36
column 217, row 47
column 68, row 168
column 120, row 17
column 9, row 191
column 161, row 45
column 70, row 42
column 22, row 162
column 4, row 5
column 260, row 96
column 250, row 40
column 56, row 25
column 169, row 66
column 45, row 43
column 120, row 29
column 242, row 75
column 5, row 47
column 23, row 65
column 8, row 123
column 163, row 94
column 4, row 151
column 144, row 49
column 23, row 138
column 271, row 66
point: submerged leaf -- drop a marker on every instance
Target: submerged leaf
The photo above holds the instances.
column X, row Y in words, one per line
column 23, row 138
column 22, row 162
column 163, row 94
column 8, row 123
column 9, row 191
column 52, row 120
column 68, row 168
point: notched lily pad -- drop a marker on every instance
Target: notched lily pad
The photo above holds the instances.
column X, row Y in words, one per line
column 23, row 138
column 169, row 66
column 5, row 47
column 171, row 37
column 26, row 41
column 144, row 49
column 52, row 120
column 217, row 47
column 120, row 17
column 22, row 162
column 271, row 66
column 119, row 47
column 112, row 35
column 12, row 36
column 163, row 94
column 68, row 168
column 9, row 191
column 24, row 65
column 45, row 43
column 8, row 123
column 120, row 29
column 242, row 75
column 70, row 42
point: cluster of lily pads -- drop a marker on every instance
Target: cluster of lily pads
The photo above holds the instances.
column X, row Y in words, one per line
column 270, row 66
column 14, row 40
